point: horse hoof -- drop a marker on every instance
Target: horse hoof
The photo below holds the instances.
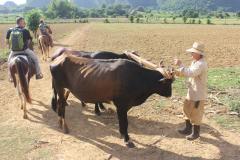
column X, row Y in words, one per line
column 25, row 116
column 66, row 130
column 130, row 145
column 60, row 124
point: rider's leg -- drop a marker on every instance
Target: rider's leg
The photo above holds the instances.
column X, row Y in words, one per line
column 9, row 74
column 50, row 39
column 34, row 57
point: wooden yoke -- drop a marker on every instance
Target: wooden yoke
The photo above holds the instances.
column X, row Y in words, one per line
column 149, row 65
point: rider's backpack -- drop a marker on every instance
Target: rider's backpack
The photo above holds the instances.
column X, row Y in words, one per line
column 16, row 40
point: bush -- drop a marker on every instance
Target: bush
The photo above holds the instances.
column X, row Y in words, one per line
column 83, row 20
column 4, row 55
column 165, row 20
column 220, row 15
column 193, row 21
column 139, row 16
column 106, row 21
column 199, row 21
column 234, row 106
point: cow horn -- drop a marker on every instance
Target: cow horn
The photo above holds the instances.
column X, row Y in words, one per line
column 161, row 64
column 161, row 80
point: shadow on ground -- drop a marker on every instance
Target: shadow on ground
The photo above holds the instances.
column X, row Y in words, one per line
column 82, row 122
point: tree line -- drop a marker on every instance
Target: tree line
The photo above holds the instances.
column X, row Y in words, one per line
column 65, row 9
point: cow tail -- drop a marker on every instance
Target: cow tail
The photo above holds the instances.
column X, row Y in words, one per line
column 54, row 97
column 23, row 80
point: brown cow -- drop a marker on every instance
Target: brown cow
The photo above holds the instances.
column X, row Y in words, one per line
column 93, row 55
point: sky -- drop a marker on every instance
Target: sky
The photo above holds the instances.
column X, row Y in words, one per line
column 16, row 1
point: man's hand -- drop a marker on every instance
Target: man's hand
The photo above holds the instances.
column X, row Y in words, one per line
column 177, row 62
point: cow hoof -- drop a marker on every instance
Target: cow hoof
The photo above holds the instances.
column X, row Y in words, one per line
column 103, row 109
column 84, row 105
column 98, row 113
column 25, row 116
column 110, row 111
column 130, row 145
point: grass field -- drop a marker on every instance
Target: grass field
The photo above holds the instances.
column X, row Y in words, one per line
column 39, row 137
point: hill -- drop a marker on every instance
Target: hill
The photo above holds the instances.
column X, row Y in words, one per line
column 172, row 5
column 226, row 5
column 9, row 4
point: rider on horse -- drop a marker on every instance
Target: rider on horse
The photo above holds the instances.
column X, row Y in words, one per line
column 19, row 39
column 46, row 30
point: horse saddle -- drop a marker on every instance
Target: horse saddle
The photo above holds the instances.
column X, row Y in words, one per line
column 23, row 56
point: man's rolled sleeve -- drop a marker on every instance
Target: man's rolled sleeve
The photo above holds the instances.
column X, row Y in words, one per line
column 8, row 34
column 192, row 71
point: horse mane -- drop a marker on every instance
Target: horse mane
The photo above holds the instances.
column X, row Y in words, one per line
column 58, row 53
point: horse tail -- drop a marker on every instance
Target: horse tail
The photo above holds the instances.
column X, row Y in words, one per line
column 54, row 97
column 23, row 80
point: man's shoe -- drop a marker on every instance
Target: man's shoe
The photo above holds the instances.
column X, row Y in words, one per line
column 195, row 133
column 39, row 76
column 188, row 128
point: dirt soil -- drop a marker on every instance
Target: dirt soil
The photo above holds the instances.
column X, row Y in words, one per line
column 94, row 137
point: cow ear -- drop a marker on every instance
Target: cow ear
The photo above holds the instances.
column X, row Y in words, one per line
column 161, row 80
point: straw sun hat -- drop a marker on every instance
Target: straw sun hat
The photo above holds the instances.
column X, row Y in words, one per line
column 198, row 47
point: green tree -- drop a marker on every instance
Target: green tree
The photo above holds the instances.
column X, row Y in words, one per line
column 138, row 20
column 185, row 19
column 131, row 19
column 165, row 20
column 190, row 13
column 226, row 15
column 238, row 14
column 209, row 21
column 174, row 18
column 33, row 18
column 60, row 8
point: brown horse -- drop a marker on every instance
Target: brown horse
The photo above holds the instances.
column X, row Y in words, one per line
column 44, row 44
column 22, row 69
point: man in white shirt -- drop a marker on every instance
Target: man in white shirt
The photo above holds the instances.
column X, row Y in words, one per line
column 193, row 108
